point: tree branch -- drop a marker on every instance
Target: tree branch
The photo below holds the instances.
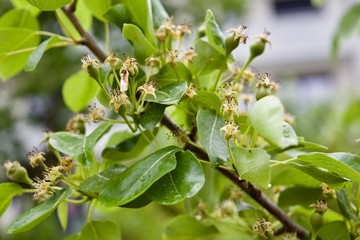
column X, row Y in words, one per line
column 288, row 224
column 86, row 40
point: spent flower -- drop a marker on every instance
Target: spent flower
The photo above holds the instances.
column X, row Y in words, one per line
column 95, row 114
column 118, row 99
column 36, row 158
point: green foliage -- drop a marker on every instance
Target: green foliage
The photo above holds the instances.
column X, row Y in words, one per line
column 189, row 123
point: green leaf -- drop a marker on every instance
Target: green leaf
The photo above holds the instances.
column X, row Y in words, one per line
column 182, row 182
column 129, row 147
column 349, row 22
column 34, row 216
column 267, row 117
column 209, row 125
column 184, row 227
column 21, row 4
column 78, row 146
column 134, row 181
column 349, row 159
column 118, row 15
column 213, row 32
column 79, row 90
column 344, row 203
column 170, row 94
column 14, row 43
column 98, row 8
column 96, row 230
column 8, row 190
column 253, row 165
column 336, row 230
column 152, row 116
column 208, row 58
column 19, row 18
column 94, row 184
column 169, row 74
column 142, row 47
column 37, row 54
column 332, row 165
column 62, row 212
column 141, row 14
column 299, row 195
column 317, row 173
column 83, row 15
column 159, row 13
column 207, row 99
column 48, row 5
column 289, row 137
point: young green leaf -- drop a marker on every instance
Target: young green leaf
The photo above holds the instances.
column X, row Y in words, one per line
column 321, row 160
column 48, row 5
column 78, row 146
column 15, row 47
column 170, row 94
column 169, row 74
column 299, row 195
column 94, row 184
column 208, row 58
column 142, row 46
column 209, row 125
column 317, row 173
column 182, row 182
column 98, row 8
column 289, row 137
column 78, row 91
column 152, row 115
column 19, row 18
column 8, row 190
column 159, row 13
column 21, row 4
column 134, row 181
column 141, row 15
column 207, row 99
column 213, row 32
column 118, row 15
column 34, row 216
column 253, row 165
column 62, row 212
column 37, row 54
column 267, row 116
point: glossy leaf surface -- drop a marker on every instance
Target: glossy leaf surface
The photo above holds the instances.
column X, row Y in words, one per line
column 34, row 216
column 170, row 94
column 267, row 117
column 78, row 146
column 211, row 137
column 213, row 32
column 253, row 165
column 182, row 182
column 152, row 115
column 78, row 91
column 134, row 181
column 332, row 165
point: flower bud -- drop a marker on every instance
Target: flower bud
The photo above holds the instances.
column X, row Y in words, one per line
column 257, row 48
column 17, row 173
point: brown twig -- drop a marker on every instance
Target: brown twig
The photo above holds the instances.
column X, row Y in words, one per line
column 288, row 224
column 86, row 40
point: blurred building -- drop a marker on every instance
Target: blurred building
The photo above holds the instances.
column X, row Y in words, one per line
column 300, row 56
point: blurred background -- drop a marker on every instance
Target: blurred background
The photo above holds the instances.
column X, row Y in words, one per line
column 319, row 84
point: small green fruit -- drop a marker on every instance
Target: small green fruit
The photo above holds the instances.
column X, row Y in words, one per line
column 317, row 220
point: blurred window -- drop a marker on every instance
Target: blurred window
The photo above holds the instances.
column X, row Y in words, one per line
column 292, row 6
